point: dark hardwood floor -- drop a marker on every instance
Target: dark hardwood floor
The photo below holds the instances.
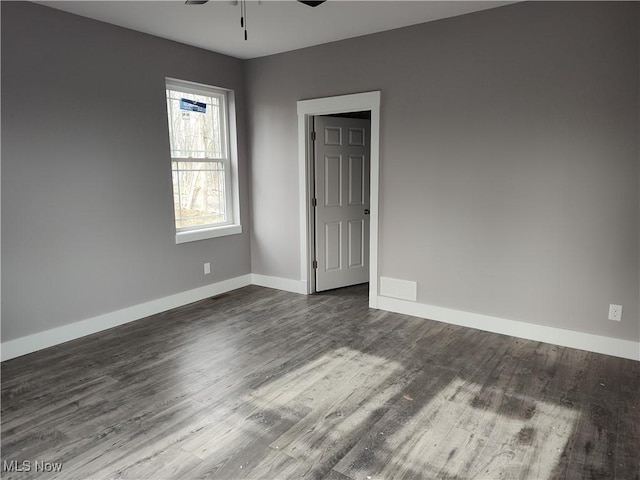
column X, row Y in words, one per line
column 259, row 383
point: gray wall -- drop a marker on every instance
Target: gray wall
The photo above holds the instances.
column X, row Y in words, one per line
column 509, row 159
column 509, row 163
column 87, row 220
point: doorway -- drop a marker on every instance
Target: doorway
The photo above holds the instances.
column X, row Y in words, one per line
column 341, row 164
column 307, row 109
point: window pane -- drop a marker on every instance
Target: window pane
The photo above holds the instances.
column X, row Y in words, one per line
column 195, row 132
column 192, row 96
column 199, row 193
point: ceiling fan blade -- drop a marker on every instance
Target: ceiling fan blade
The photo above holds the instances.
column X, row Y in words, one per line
column 312, row 3
column 195, row 2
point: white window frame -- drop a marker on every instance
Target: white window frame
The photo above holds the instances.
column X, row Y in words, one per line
column 233, row 225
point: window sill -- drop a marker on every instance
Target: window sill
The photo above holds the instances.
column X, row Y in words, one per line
column 205, row 233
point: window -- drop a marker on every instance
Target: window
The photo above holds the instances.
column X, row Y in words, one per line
column 203, row 160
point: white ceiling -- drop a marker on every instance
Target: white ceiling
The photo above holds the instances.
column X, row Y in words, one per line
column 273, row 26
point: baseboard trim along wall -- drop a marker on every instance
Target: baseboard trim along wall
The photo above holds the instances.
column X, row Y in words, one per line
column 294, row 286
column 566, row 338
column 49, row 338
column 556, row 336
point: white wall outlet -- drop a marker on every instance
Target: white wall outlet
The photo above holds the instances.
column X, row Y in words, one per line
column 207, row 268
column 615, row 312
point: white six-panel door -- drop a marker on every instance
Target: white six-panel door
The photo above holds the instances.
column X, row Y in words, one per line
column 342, row 201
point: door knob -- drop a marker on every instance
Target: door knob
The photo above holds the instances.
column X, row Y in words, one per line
column 366, row 211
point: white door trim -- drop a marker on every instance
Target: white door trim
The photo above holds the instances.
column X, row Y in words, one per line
column 368, row 101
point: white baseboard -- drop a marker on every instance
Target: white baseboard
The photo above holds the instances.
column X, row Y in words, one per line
column 295, row 286
column 55, row 336
column 566, row 338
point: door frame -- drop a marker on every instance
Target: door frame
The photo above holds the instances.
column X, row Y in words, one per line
column 367, row 101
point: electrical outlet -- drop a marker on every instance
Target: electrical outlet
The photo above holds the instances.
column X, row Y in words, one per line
column 615, row 312
column 207, row 268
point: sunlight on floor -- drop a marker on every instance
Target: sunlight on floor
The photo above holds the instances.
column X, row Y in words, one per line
column 320, row 401
column 496, row 435
column 340, row 390
column 315, row 412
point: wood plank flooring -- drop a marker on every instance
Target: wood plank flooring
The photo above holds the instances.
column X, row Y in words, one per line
column 263, row 384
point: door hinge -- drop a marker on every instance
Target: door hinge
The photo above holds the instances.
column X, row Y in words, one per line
column 314, row 202
column 313, row 136
column 315, row 264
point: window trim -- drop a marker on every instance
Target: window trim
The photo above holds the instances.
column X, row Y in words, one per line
column 233, row 226
column 205, row 233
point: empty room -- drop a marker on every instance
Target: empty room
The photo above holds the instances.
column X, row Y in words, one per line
column 341, row 240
